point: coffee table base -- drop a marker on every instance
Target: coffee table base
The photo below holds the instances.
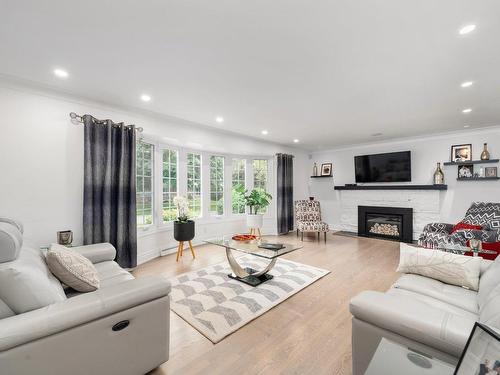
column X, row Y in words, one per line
column 251, row 279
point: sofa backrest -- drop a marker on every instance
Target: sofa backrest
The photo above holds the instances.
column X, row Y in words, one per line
column 485, row 214
column 307, row 210
column 11, row 240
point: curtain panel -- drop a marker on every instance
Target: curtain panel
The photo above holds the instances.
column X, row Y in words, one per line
column 285, row 193
column 109, row 202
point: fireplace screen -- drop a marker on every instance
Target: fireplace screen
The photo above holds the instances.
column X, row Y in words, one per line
column 384, row 225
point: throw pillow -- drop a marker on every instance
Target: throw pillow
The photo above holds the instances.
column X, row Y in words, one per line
column 440, row 265
column 489, row 281
column 463, row 225
column 493, row 246
column 72, row 269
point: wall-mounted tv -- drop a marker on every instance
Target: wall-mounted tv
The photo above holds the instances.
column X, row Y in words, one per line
column 388, row 167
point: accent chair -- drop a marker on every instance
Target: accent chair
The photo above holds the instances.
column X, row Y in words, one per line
column 308, row 218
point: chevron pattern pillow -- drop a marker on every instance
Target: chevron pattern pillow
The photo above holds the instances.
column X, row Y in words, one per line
column 72, row 269
column 486, row 214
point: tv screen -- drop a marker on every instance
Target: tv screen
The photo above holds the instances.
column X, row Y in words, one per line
column 389, row 167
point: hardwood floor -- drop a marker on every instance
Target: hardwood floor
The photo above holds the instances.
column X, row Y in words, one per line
column 309, row 333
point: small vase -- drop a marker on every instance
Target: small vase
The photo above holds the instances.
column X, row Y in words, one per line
column 184, row 231
column 438, row 175
column 485, row 155
column 315, row 170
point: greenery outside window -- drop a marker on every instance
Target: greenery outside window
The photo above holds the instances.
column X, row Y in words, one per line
column 194, row 184
column 144, row 183
column 169, row 176
column 238, row 186
column 216, row 185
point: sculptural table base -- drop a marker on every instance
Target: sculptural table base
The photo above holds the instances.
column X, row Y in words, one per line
column 248, row 275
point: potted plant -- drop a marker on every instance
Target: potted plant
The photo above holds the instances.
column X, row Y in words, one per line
column 183, row 227
column 257, row 200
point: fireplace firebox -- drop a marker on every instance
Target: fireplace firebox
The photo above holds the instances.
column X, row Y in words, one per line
column 394, row 223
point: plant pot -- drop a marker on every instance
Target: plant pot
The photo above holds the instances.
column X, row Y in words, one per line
column 184, row 231
column 255, row 220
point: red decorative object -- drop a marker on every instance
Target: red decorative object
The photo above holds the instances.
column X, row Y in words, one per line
column 463, row 225
column 494, row 246
column 244, row 237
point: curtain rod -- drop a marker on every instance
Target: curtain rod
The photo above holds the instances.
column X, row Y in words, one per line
column 280, row 153
column 79, row 118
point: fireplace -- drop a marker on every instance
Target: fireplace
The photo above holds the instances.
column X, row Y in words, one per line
column 395, row 223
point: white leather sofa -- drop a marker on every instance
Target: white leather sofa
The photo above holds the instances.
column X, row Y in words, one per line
column 122, row 328
column 423, row 314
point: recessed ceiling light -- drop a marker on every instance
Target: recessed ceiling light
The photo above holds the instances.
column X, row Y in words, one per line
column 145, row 98
column 219, row 119
column 467, row 84
column 61, row 73
column 296, row 141
column 467, row 29
column 264, row 132
column 467, row 110
column 466, row 126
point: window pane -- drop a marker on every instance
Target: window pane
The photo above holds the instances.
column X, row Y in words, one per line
column 238, row 186
column 194, row 184
column 260, row 174
column 169, row 175
column 216, row 185
column 144, row 183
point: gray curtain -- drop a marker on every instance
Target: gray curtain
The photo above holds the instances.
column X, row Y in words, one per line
column 285, row 193
column 109, row 213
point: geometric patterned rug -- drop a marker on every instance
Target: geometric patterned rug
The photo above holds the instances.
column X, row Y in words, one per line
column 217, row 305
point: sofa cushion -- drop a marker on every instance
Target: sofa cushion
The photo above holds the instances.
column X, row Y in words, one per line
column 440, row 265
column 27, row 284
column 5, row 311
column 454, row 295
column 490, row 310
column 489, row 280
column 72, row 269
column 11, row 241
column 433, row 302
column 110, row 273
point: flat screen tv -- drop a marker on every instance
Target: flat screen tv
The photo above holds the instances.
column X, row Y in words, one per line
column 388, row 167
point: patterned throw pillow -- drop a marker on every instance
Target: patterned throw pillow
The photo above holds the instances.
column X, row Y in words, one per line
column 440, row 265
column 72, row 269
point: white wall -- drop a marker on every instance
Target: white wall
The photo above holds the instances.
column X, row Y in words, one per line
column 41, row 163
column 426, row 152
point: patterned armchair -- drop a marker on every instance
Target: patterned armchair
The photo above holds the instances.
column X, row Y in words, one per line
column 479, row 213
column 308, row 218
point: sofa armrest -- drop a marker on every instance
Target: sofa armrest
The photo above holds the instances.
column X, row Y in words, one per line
column 413, row 319
column 84, row 308
column 96, row 253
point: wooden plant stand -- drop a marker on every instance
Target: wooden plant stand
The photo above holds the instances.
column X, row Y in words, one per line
column 256, row 232
column 180, row 249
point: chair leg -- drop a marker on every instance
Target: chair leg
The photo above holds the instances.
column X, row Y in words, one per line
column 192, row 250
column 297, row 232
column 302, row 234
column 319, row 233
column 325, row 237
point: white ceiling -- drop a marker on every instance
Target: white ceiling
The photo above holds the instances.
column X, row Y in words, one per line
column 326, row 72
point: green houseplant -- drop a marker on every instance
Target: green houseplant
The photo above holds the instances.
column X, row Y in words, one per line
column 257, row 201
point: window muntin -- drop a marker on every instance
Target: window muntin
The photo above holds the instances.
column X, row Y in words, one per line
column 238, row 186
column 194, row 184
column 144, row 183
column 169, row 177
column 216, row 185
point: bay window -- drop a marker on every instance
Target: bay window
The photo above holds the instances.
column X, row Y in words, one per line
column 169, row 175
column 216, row 185
column 194, row 184
column 144, row 183
column 238, row 186
column 260, row 174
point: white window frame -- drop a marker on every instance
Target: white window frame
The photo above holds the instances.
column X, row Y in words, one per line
column 161, row 151
column 244, row 183
column 200, row 154
column 153, row 188
column 224, row 186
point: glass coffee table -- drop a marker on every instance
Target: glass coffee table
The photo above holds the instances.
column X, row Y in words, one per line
column 248, row 275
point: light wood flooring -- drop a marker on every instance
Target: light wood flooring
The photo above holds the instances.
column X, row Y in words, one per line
column 309, row 333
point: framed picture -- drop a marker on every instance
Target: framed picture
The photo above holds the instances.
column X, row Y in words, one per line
column 326, row 169
column 481, row 354
column 461, row 152
column 65, row 237
column 466, row 171
column 490, row 172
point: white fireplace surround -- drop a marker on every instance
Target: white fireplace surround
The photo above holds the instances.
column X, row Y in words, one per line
column 425, row 204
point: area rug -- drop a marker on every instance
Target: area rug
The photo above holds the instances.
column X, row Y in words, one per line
column 217, row 305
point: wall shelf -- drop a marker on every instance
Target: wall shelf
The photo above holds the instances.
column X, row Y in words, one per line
column 321, row 176
column 391, row 187
column 477, row 178
column 470, row 162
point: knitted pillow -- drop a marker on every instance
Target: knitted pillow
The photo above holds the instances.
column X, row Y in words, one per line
column 72, row 269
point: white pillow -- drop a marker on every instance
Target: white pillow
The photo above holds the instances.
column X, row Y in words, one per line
column 440, row 265
column 26, row 283
column 72, row 269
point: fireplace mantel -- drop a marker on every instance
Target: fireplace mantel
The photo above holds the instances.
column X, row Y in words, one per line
column 391, row 187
